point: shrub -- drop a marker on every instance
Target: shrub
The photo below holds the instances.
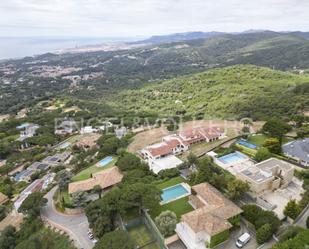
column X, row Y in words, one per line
column 166, row 223
column 263, row 234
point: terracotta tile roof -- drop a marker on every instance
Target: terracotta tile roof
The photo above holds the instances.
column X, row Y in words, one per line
column 105, row 179
column 3, row 198
column 200, row 133
column 162, row 150
column 213, row 211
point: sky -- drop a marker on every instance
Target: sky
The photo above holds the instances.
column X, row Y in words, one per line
column 142, row 18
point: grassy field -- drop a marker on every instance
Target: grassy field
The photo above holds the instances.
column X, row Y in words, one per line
column 170, row 182
column 86, row 173
column 179, row 207
column 142, row 236
column 258, row 140
column 261, row 138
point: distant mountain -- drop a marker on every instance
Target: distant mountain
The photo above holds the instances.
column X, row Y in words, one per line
column 135, row 67
column 180, row 37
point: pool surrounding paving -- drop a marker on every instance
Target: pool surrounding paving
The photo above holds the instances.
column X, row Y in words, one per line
column 245, row 143
column 174, row 193
column 232, row 158
column 105, row 161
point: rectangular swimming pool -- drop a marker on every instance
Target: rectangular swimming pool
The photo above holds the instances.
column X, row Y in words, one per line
column 173, row 193
column 105, row 161
column 232, row 158
column 246, row 144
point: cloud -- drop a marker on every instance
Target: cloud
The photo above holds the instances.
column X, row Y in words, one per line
column 147, row 17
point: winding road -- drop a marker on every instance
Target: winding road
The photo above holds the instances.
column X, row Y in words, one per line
column 75, row 225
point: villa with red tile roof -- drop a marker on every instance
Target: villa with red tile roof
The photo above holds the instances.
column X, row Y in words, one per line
column 161, row 155
column 209, row 224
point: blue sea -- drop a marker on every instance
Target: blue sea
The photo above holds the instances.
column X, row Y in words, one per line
column 17, row 47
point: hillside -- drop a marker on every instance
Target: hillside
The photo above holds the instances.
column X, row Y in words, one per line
column 99, row 75
column 231, row 92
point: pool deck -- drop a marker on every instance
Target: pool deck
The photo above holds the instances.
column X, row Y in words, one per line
column 185, row 186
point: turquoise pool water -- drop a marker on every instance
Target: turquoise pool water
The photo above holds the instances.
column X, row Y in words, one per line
column 173, row 193
column 105, row 161
column 246, row 144
column 231, row 158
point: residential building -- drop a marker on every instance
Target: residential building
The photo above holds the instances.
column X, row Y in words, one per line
column 161, row 155
column 209, row 224
column 27, row 130
column 106, row 179
column 298, row 150
column 66, row 127
column 88, row 142
column 88, row 130
column 57, row 158
column 268, row 175
column 121, row 132
column 33, row 187
column 24, row 175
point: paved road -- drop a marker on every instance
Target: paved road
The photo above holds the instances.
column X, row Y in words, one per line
column 75, row 225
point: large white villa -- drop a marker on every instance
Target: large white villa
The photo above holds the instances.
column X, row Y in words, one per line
column 209, row 224
column 161, row 156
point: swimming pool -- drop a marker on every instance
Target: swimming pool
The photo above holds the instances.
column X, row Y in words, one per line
column 105, row 161
column 233, row 157
column 173, row 193
column 246, row 144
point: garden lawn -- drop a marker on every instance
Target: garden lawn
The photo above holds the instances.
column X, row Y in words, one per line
column 179, row 207
column 258, row 140
column 170, row 182
column 86, row 173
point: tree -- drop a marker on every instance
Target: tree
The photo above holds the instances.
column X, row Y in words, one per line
column 258, row 217
column 139, row 195
column 98, row 189
column 102, row 213
column 115, row 240
column 273, row 145
column 32, row 205
column 128, row 161
column 300, row 241
column 79, row 199
column 2, row 212
column 110, row 146
column 262, row 154
column 276, row 128
column 166, row 222
column 292, row 209
column 204, row 173
column 8, row 238
column 263, row 234
column 192, row 159
column 63, row 178
column 236, row 188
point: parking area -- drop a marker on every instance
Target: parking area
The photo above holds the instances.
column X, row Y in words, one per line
column 230, row 244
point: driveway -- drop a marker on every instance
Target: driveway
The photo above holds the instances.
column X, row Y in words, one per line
column 302, row 220
column 75, row 225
